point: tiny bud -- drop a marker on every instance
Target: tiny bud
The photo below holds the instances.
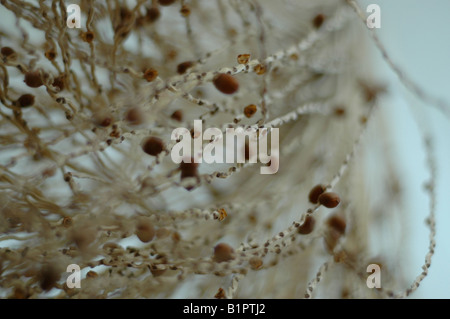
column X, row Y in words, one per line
column 153, row 146
column 329, row 199
column 226, row 84
column 223, row 252
column 255, row 263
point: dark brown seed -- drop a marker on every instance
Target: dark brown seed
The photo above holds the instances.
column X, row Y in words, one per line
column 188, row 169
column 145, row 230
column 153, row 14
column 177, row 115
column 308, row 226
column 329, row 199
column 166, row 2
column 48, row 277
column 153, row 146
column 7, row 52
column 183, row 67
column 337, row 223
column 226, row 84
column 87, row 36
column 315, row 192
column 150, row 74
column 26, row 100
column 223, row 252
column 33, row 79
column 59, row 82
column 250, row 110
column 318, row 20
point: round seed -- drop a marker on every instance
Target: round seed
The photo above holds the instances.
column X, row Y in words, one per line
column 315, row 192
column 153, row 146
column 33, row 79
column 26, row 100
column 145, row 230
column 183, row 67
column 308, row 226
column 318, row 21
column 177, row 115
column 226, row 84
column 250, row 110
column 329, row 199
column 223, row 252
column 150, row 74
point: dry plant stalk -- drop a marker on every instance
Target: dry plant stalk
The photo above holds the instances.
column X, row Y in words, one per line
column 86, row 176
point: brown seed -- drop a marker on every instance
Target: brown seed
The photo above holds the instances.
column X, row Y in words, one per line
column 87, row 36
column 188, row 169
column 177, row 115
column 33, row 79
column 185, row 11
column 166, row 2
column 153, row 146
column 150, row 74
column 260, row 69
column 145, row 230
column 67, row 221
column 91, row 274
column 220, row 294
column 315, row 192
column 223, row 252
column 7, row 52
column 329, row 199
column 50, row 54
column 26, row 100
column 59, row 82
column 134, row 116
column 250, row 110
column 337, row 223
column 153, row 14
column 308, row 226
column 243, row 58
column 318, row 21
column 226, row 84
column 255, row 263
column 48, row 277
column 183, row 67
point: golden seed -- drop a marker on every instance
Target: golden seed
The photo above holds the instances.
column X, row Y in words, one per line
column 225, row 83
column 243, row 58
column 220, row 294
column 222, row 214
column 260, row 69
column 150, row 74
column 255, row 263
column 185, row 11
column 250, row 110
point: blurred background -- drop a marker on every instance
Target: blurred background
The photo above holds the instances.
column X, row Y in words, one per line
column 417, row 38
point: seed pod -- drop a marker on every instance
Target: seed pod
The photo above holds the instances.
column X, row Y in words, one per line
column 318, row 21
column 7, row 52
column 153, row 14
column 329, row 199
column 337, row 223
column 150, row 74
column 183, row 67
column 166, row 2
column 48, row 277
column 223, row 252
column 177, row 115
column 153, row 146
column 250, row 110
column 308, row 226
column 26, row 100
column 243, row 58
column 225, row 83
column 33, row 79
column 315, row 192
column 145, row 230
